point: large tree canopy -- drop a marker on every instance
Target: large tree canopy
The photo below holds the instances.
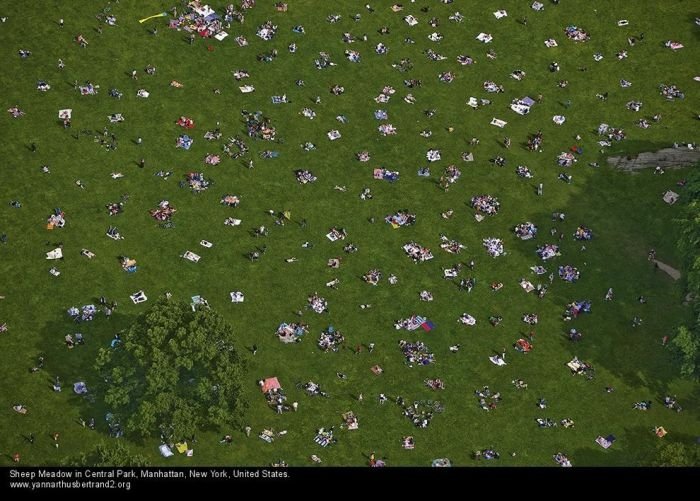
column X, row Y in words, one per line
column 174, row 368
column 686, row 344
column 108, row 455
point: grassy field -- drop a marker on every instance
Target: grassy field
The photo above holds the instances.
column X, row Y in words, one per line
column 625, row 212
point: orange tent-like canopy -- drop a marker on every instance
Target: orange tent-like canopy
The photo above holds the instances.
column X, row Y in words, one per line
column 269, row 384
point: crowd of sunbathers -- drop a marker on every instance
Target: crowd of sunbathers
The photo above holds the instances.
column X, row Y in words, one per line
column 416, row 353
column 485, row 204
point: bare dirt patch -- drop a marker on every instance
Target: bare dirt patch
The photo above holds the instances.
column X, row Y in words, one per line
column 668, row 158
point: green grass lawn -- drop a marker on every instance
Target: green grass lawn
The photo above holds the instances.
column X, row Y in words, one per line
column 625, row 212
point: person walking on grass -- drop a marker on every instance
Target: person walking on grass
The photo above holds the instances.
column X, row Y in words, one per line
column 254, row 349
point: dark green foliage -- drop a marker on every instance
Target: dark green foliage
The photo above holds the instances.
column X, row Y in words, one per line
column 175, row 369
column 109, row 455
column 686, row 344
column 677, row 454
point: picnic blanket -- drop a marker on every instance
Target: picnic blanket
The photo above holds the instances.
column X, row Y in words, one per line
column 496, row 360
column 191, row 256
column 57, row 253
column 671, row 197
column 165, row 451
column 606, row 442
column 520, row 109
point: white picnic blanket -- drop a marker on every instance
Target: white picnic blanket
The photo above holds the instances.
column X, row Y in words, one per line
column 165, row 451
column 520, row 109
column 191, row 256
column 496, row 360
column 57, row 253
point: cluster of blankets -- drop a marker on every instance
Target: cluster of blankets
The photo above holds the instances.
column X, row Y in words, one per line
column 671, row 92
column 230, row 200
column 576, row 34
column 526, row 230
column 56, row 220
column 583, row 233
column 401, row 218
column 330, row 339
column 451, row 246
column 305, row 176
column 385, row 174
column 290, row 333
column 85, row 313
column 163, row 212
column 417, row 252
column 548, row 251
column 317, row 303
column 414, row 322
column 575, row 308
column 196, row 181
column 494, row 246
column 416, row 353
column 568, row 273
column 485, row 204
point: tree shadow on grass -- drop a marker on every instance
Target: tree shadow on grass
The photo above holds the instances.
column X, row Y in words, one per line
column 640, row 364
column 638, row 439
column 78, row 364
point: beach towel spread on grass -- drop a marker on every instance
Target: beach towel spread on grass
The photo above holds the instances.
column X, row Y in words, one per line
column 324, row 438
column 57, row 253
column 165, row 451
column 191, row 256
column 385, row 174
column 605, row 442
